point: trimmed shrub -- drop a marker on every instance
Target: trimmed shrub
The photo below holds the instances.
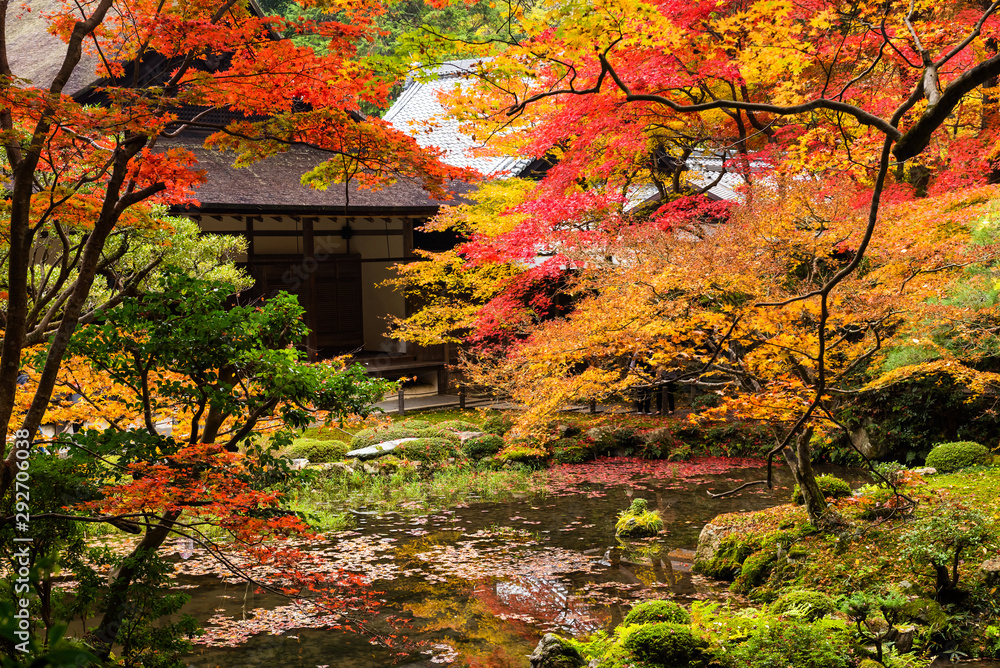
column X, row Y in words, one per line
column 498, row 423
column 649, row 612
column 417, row 424
column 637, row 520
column 427, row 450
column 665, row 643
column 811, row 605
column 615, row 440
column 479, row 447
column 459, row 425
column 830, row 485
column 948, row 457
column 317, row 452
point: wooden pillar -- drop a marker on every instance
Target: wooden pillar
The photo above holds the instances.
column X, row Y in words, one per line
column 593, row 406
column 249, row 235
column 400, row 408
column 309, row 262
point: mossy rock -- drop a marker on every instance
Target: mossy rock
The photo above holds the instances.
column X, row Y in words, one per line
column 728, row 560
column 497, row 423
column 555, row 652
column 525, row 454
column 428, row 450
column 755, row 570
column 811, row 605
column 830, row 485
column 649, row 612
column 479, row 447
column 317, row 451
column 459, row 425
column 948, row 457
column 665, row 643
column 638, row 521
column 925, row 612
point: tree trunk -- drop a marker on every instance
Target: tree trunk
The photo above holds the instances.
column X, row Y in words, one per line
column 118, row 606
column 801, row 467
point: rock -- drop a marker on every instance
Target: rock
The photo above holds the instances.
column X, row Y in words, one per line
column 708, row 542
column 378, row 450
column 991, row 571
column 466, row 435
column 902, row 638
column 924, row 470
column 553, row 652
column 862, row 441
column 299, row 464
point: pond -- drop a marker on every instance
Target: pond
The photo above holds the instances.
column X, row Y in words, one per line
column 480, row 584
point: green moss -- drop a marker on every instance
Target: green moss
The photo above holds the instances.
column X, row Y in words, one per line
column 665, row 643
column 948, row 457
column 317, row 451
column 497, row 423
column 459, row 425
column 637, row 520
column 428, row 450
column 806, row 603
column 414, row 429
column 480, row 447
column 830, row 485
column 657, row 611
column 755, row 570
column 524, row 454
column 571, row 451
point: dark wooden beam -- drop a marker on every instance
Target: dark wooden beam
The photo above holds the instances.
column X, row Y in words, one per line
column 309, row 262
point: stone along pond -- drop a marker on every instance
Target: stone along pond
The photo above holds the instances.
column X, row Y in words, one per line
column 479, row 584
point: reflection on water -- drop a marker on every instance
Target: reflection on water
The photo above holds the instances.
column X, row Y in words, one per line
column 483, row 582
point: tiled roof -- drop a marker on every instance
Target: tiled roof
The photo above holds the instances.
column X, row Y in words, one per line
column 419, row 113
column 273, row 185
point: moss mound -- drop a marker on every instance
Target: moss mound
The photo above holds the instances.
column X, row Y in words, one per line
column 571, row 451
column 479, row 447
column 414, row 429
column 806, row 603
column 665, row 643
column 525, row 454
column 948, row 457
column 637, row 521
column 459, row 425
column 497, row 423
column 830, row 485
column 428, row 450
column 649, row 612
column 316, row 451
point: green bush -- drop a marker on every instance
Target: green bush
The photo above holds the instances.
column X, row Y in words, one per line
column 498, row 423
column 479, row 447
column 771, row 642
column 615, row 440
column 427, row 450
column 948, row 457
column 459, row 425
column 648, row 612
column 637, row 520
column 665, row 643
column 806, row 603
column 830, row 485
column 316, row 451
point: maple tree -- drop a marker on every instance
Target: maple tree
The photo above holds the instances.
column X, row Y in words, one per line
column 85, row 240
column 864, row 135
